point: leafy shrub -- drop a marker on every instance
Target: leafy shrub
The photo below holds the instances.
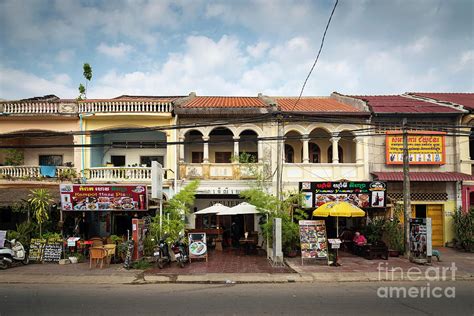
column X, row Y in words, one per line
column 464, row 228
column 141, row 265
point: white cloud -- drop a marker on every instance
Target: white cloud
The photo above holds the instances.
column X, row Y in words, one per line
column 65, row 55
column 118, row 51
column 258, row 50
column 32, row 85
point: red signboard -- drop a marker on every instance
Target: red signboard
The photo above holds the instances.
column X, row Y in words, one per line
column 84, row 197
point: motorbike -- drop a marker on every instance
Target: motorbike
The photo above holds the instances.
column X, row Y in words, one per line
column 13, row 252
column 180, row 251
column 162, row 253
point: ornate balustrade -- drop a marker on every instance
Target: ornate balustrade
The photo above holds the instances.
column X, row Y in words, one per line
column 125, row 106
column 31, row 172
column 31, row 108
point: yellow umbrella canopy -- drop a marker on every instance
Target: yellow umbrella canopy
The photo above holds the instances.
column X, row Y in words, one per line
column 338, row 209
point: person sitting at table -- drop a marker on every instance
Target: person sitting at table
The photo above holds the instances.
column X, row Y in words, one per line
column 359, row 239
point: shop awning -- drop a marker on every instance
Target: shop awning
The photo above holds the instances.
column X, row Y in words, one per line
column 424, row 176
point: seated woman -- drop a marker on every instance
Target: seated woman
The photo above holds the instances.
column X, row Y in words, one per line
column 359, row 239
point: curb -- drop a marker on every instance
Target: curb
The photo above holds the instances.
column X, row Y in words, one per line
column 217, row 278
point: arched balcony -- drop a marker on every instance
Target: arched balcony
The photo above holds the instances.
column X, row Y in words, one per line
column 322, row 154
column 221, row 153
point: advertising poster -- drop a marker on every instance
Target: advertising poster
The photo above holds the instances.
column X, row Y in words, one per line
column 361, row 194
column 197, row 245
column 420, row 239
column 424, row 148
column 82, row 197
column 313, row 240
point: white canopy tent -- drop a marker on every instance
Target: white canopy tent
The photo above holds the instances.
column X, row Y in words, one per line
column 214, row 209
column 242, row 208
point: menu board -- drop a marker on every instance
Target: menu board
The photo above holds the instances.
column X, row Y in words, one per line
column 36, row 249
column 127, row 263
column 313, row 240
column 81, row 197
column 361, row 194
column 53, row 250
column 424, row 148
column 420, row 239
column 197, row 245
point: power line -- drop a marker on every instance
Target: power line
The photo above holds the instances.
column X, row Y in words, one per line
column 319, row 52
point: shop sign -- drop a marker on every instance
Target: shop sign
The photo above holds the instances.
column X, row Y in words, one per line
column 424, row 148
column 420, row 239
column 83, row 197
column 313, row 240
column 361, row 194
column 197, row 245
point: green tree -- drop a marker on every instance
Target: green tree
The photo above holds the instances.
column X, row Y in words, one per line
column 40, row 201
column 287, row 209
column 87, row 73
column 174, row 213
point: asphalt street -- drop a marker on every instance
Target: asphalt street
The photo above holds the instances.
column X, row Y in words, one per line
column 346, row 298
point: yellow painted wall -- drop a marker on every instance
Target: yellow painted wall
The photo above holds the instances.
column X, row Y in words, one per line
column 50, row 123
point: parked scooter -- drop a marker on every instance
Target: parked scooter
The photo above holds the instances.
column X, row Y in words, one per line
column 162, row 253
column 180, row 251
column 13, row 252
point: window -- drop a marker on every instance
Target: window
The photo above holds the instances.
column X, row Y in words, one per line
column 50, row 160
column 197, row 157
column 223, row 157
column 146, row 160
column 289, row 154
column 314, row 153
column 118, row 161
column 340, row 153
column 209, row 221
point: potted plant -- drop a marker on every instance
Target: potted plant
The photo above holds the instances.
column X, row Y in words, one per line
column 393, row 231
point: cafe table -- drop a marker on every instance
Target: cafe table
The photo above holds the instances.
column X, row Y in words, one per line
column 247, row 243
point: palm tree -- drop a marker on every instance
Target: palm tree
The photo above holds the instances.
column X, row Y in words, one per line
column 40, row 199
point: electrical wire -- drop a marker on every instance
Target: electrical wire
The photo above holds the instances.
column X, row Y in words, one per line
column 319, row 52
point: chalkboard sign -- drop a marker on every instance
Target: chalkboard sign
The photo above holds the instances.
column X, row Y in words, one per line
column 127, row 263
column 53, row 250
column 36, row 249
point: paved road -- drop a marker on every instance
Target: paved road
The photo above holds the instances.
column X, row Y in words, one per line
column 232, row 299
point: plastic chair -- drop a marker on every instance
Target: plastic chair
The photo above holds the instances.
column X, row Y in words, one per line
column 110, row 248
column 97, row 254
column 97, row 242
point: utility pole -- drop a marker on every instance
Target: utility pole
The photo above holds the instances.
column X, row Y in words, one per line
column 279, row 156
column 406, row 189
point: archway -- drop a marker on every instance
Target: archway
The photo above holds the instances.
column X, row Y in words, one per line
column 221, row 145
column 193, row 147
column 248, row 146
column 348, row 146
column 294, row 146
column 320, row 138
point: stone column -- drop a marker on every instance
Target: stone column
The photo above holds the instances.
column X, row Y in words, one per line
column 77, row 140
column 205, row 149
column 335, row 149
column 359, row 149
column 305, row 140
column 236, row 148
column 181, row 149
column 260, row 151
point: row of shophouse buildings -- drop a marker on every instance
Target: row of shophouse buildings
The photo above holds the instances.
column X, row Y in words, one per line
column 223, row 140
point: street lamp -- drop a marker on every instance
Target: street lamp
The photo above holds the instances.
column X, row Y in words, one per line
column 81, row 116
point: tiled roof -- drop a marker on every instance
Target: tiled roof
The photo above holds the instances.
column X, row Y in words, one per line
column 313, row 104
column 464, row 99
column 224, row 102
column 423, row 176
column 400, row 104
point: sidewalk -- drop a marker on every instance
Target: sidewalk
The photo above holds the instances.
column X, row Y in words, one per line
column 255, row 271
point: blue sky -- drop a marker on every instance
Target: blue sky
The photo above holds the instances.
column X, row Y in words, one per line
column 234, row 47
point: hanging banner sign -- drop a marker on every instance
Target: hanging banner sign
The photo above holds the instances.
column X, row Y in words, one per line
column 82, row 197
column 424, row 148
column 361, row 194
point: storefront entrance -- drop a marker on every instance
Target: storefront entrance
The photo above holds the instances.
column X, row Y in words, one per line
column 435, row 212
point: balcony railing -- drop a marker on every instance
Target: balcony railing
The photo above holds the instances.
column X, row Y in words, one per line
column 125, row 106
column 219, row 171
column 121, row 174
column 31, row 108
column 32, row 172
